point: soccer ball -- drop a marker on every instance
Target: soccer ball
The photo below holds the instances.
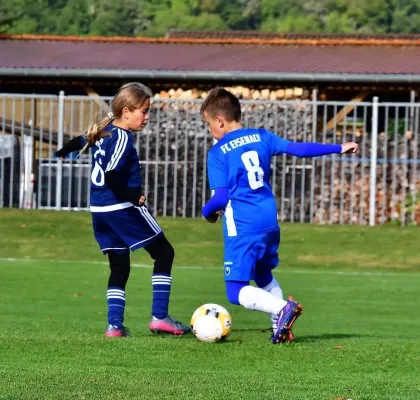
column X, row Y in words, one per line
column 211, row 323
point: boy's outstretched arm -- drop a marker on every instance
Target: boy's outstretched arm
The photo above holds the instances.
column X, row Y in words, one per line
column 75, row 144
column 306, row 149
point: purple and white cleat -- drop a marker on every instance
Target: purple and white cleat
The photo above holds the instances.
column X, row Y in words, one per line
column 168, row 325
column 286, row 318
column 114, row 331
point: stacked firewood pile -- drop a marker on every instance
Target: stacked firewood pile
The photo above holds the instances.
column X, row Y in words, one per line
column 345, row 194
column 241, row 92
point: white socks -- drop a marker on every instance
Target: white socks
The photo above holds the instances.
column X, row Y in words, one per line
column 274, row 288
column 268, row 299
column 257, row 299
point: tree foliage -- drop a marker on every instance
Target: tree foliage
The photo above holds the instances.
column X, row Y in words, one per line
column 155, row 17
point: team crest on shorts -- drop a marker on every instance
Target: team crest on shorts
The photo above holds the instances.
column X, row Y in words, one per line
column 227, row 267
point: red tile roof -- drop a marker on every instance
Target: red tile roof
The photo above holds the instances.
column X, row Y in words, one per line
column 176, row 33
column 286, row 54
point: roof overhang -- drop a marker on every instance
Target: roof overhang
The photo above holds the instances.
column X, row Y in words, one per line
column 230, row 76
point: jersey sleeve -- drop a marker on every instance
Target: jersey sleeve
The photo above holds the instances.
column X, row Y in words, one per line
column 216, row 171
column 217, row 202
column 307, row 149
column 75, row 144
column 277, row 144
column 118, row 150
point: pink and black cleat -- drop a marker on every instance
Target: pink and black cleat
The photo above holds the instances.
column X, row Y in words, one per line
column 115, row 331
column 287, row 317
column 168, row 325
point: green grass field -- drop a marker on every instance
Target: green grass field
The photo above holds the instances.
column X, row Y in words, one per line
column 359, row 336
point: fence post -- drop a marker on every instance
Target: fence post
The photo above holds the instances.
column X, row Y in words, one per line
column 313, row 139
column 60, row 131
column 373, row 161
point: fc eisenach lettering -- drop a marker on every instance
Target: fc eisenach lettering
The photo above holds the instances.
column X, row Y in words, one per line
column 233, row 144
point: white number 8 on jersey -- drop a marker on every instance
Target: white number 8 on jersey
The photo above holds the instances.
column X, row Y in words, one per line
column 255, row 172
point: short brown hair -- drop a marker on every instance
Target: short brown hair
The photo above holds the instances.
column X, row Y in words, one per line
column 221, row 101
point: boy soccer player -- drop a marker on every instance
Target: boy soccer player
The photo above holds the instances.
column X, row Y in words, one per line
column 239, row 174
column 121, row 220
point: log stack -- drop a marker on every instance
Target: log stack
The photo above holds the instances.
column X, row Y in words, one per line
column 242, row 92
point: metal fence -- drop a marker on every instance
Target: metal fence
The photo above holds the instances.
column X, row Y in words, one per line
column 378, row 185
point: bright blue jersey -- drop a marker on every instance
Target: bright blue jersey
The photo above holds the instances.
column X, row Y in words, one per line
column 116, row 151
column 241, row 161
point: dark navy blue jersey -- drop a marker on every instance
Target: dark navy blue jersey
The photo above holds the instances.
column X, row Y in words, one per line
column 114, row 151
column 241, row 162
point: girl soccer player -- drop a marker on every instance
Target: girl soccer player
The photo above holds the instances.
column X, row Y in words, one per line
column 121, row 220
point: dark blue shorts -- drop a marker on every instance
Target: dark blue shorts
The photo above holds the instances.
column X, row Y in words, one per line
column 122, row 230
column 244, row 255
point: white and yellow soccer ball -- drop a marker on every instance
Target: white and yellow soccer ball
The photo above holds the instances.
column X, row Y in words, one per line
column 211, row 323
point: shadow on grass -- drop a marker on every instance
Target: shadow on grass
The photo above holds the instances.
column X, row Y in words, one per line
column 235, row 340
column 326, row 336
column 308, row 338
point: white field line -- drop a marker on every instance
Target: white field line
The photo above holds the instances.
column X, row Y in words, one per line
column 5, row 261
